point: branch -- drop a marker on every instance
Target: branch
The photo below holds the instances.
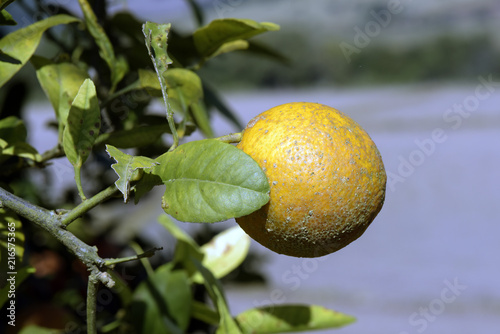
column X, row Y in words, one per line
column 51, row 222
column 93, row 285
column 55, row 152
column 112, row 262
column 88, row 205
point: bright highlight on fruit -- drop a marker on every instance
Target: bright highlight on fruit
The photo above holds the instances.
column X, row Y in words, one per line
column 326, row 175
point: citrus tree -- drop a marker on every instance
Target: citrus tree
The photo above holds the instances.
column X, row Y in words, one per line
column 102, row 80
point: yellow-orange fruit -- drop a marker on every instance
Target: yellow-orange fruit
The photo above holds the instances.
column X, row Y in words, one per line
column 326, row 176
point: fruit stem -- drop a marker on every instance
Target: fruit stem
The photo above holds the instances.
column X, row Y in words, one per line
column 231, row 138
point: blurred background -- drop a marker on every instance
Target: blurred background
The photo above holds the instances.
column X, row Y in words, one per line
column 423, row 78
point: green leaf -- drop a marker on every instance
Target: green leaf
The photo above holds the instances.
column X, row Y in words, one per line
column 13, row 135
column 238, row 44
column 83, row 125
column 200, row 116
column 178, row 233
column 156, row 42
column 11, row 253
column 226, row 322
column 149, row 81
column 22, row 150
column 137, row 137
column 264, row 50
column 156, row 36
column 11, row 235
column 145, row 184
column 127, row 167
column 60, row 82
column 290, row 318
column 210, row 38
column 8, row 59
column 225, row 252
column 117, row 66
column 210, row 181
column 184, row 86
column 185, row 92
column 204, row 313
column 162, row 303
column 12, row 130
column 22, row 43
column 175, row 289
column 6, row 19
column 212, row 99
column 5, row 3
column 121, row 288
column 186, row 248
column 189, row 255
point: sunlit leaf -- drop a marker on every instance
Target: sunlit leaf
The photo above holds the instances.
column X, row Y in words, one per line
column 184, row 86
column 60, row 82
column 8, row 59
column 13, row 135
column 210, row 181
column 149, row 81
column 210, row 38
column 11, row 235
column 156, row 36
column 22, row 43
column 6, row 19
column 185, row 93
column 83, row 124
column 22, row 150
column 238, row 44
column 127, row 167
column 118, row 66
column 5, row 3
column 12, row 269
column 225, row 252
column 290, row 318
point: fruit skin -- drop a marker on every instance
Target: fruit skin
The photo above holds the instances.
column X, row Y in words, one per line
column 326, row 176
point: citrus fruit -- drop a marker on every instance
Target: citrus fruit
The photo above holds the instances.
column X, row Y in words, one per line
column 326, row 176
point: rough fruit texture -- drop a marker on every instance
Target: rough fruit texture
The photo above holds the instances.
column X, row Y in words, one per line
column 326, row 175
